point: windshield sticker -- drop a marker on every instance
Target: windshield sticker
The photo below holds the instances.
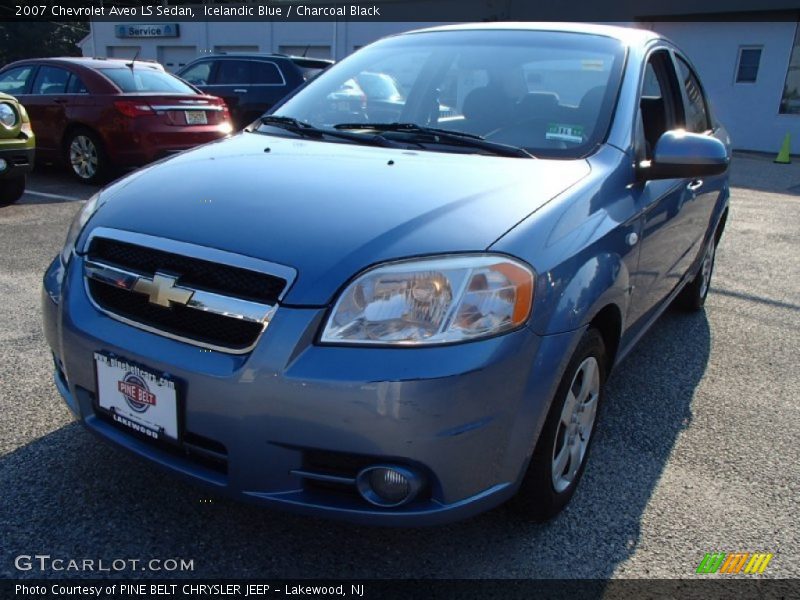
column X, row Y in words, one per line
column 564, row 133
column 592, row 65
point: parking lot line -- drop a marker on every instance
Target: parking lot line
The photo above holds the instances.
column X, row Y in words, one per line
column 54, row 196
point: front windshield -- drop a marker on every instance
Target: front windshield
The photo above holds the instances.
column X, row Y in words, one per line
column 551, row 93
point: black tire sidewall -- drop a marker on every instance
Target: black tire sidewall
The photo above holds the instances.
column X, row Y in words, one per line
column 690, row 298
column 537, row 498
column 12, row 189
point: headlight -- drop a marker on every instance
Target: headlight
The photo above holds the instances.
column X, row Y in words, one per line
column 83, row 216
column 432, row 301
column 8, row 116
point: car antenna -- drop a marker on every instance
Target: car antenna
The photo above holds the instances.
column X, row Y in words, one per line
column 306, row 51
column 133, row 60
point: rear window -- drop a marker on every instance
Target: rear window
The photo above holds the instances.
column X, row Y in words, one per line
column 146, row 81
column 310, row 68
column 266, row 73
column 309, row 73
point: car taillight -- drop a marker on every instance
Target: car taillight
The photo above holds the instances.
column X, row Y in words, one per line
column 131, row 108
column 225, row 125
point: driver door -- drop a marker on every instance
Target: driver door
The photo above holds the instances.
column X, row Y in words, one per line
column 666, row 238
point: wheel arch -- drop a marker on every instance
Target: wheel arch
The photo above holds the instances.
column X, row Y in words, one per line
column 608, row 321
column 721, row 225
column 74, row 126
column 599, row 286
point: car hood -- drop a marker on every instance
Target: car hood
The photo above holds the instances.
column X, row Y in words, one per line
column 329, row 209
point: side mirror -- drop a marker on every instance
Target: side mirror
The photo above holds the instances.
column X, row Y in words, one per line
column 679, row 154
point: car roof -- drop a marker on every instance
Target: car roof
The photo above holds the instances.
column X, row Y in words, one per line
column 94, row 62
column 628, row 35
column 265, row 55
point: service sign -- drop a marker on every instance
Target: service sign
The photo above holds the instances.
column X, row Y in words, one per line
column 145, row 30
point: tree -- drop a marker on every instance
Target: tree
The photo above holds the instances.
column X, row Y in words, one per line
column 28, row 39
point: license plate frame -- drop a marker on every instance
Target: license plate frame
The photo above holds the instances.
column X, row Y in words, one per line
column 196, row 117
column 122, row 387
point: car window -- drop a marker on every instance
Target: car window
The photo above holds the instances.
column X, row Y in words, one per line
column 379, row 86
column 696, row 112
column 146, row 81
column 650, row 85
column 659, row 108
column 309, row 68
column 551, row 93
column 265, row 73
column 76, row 85
column 14, row 80
column 308, row 73
column 50, row 80
column 233, row 72
column 198, row 74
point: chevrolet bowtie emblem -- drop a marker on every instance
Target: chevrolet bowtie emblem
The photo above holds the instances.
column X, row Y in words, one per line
column 162, row 290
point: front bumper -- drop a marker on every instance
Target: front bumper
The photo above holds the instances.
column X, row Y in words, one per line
column 19, row 161
column 465, row 416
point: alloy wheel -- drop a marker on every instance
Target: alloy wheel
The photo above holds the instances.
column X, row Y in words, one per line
column 83, row 156
column 576, row 424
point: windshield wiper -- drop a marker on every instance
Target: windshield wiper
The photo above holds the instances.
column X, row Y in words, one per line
column 308, row 130
column 445, row 136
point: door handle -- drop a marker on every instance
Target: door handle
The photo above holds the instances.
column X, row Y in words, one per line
column 60, row 100
column 240, row 91
column 694, row 185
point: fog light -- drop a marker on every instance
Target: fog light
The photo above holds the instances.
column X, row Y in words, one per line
column 387, row 485
column 3, row 165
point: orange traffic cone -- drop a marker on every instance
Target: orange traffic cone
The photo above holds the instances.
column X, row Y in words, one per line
column 783, row 155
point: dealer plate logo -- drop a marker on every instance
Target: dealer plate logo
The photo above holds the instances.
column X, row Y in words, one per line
column 137, row 395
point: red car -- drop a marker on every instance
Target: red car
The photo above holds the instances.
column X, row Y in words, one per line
column 95, row 114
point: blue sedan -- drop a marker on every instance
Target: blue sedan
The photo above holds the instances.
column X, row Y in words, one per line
column 399, row 319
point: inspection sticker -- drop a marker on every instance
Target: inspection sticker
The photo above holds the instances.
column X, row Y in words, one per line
column 564, row 133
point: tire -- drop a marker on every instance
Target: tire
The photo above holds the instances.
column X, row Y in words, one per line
column 11, row 190
column 85, row 156
column 693, row 296
column 554, row 473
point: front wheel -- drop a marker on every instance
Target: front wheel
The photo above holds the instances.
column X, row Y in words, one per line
column 85, row 157
column 11, row 190
column 560, row 455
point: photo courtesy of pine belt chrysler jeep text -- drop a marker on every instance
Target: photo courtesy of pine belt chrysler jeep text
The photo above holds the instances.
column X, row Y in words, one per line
column 406, row 320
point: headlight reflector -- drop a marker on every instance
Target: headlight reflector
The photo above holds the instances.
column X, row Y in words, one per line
column 75, row 228
column 432, row 301
column 8, row 116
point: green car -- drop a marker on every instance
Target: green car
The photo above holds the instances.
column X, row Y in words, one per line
column 17, row 147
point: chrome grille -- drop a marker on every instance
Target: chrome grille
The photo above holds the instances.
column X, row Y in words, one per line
column 203, row 296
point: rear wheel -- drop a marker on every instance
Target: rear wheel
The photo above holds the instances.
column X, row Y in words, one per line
column 85, row 157
column 11, row 190
column 693, row 296
column 560, row 455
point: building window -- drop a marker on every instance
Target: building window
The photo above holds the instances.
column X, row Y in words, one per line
column 749, row 59
column 790, row 102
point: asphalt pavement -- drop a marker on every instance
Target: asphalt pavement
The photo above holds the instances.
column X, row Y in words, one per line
column 697, row 448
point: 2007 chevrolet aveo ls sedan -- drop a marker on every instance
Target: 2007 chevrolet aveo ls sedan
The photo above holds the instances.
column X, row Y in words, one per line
column 405, row 321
